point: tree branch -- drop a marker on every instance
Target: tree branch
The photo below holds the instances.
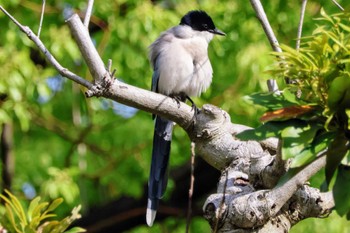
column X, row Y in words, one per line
column 41, row 17
column 63, row 71
column 338, row 5
column 259, row 210
column 281, row 195
column 87, row 49
column 260, row 13
column 301, row 21
column 88, row 13
column 121, row 92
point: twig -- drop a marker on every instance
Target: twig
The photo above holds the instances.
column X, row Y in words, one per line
column 41, row 17
column 63, row 71
column 190, row 192
column 301, row 21
column 88, row 13
column 260, row 13
column 338, row 5
column 109, row 65
column 281, row 194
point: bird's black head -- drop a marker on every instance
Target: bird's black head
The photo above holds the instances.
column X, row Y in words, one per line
column 200, row 21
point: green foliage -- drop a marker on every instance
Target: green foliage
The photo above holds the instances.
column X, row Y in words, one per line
column 311, row 115
column 63, row 141
column 15, row 218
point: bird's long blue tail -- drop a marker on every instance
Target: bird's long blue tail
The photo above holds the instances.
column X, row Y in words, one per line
column 158, row 178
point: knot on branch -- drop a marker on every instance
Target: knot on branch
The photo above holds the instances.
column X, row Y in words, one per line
column 101, row 86
column 216, row 143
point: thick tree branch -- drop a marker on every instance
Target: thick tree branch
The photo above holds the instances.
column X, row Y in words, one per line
column 92, row 58
column 258, row 210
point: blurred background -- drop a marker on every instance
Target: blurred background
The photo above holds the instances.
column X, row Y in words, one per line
column 96, row 152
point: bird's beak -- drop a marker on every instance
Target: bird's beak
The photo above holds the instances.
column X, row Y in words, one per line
column 217, row 32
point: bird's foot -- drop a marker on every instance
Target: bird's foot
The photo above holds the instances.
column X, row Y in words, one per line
column 178, row 99
column 194, row 106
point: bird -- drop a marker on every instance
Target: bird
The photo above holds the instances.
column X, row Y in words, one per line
column 181, row 68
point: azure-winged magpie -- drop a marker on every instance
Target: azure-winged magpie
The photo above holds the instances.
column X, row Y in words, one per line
column 181, row 65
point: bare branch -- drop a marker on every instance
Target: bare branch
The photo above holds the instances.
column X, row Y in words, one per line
column 338, row 5
column 87, row 48
column 301, row 20
column 41, row 17
column 260, row 13
column 88, row 13
column 63, row 71
column 190, row 192
column 281, row 194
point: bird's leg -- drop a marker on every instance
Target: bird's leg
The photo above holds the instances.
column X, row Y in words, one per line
column 194, row 106
column 177, row 98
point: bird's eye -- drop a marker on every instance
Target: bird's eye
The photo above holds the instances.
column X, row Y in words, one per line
column 205, row 26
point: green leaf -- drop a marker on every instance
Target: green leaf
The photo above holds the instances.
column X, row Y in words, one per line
column 339, row 93
column 11, row 217
column 50, row 226
column 346, row 160
column 39, row 209
column 53, row 205
column 297, row 138
column 273, row 101
column 320, row 143
column 341, row 191
column 336, row 152
column 33, row 204
column 267, row 130
column 17, row 207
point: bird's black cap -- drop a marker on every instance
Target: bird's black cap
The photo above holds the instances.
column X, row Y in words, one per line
column 200, row 21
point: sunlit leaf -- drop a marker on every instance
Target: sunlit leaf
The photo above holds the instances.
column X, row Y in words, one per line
column 297, row 138
column 286, row 113
column 319, row 144
column 33, row 204
column 270, row 129
column 274, row 101
column 54, row 204
column 17, row 207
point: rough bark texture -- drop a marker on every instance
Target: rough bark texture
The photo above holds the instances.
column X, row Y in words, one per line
column 247, row 198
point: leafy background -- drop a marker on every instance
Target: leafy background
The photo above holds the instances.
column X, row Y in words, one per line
column 91, row 151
